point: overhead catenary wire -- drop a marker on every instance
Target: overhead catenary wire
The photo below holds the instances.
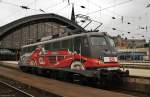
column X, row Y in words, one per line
column 44, row 11
column 17, row 6
column 5, row 2
column 111, row 6
column 26, row 7
column 105, row 9
column 107, row 14
column 13, row 12
column 50, row 7
column 130, row 23
column 121, row 18
column 21, row 6
column 62, row 8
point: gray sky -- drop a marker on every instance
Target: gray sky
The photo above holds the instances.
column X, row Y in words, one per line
column 133, row 11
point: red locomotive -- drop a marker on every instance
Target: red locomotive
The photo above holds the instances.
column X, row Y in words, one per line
column 91, row 56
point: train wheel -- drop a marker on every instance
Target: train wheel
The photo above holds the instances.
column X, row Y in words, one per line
column 77, row 65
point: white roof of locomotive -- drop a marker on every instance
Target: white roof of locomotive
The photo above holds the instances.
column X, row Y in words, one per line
column 64, row 38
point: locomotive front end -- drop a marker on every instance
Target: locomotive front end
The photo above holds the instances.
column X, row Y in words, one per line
column 108, row 70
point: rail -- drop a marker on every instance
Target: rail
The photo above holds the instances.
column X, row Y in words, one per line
column 23, row 92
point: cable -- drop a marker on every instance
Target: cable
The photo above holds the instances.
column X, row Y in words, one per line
column 120, row 17
column 4, row 2
column 107, row 10
column 104, row 25
column 15, row 12
column 113, row 12
column 50, row 7
column 111, row 6
column 21, row 6
column 62, row 8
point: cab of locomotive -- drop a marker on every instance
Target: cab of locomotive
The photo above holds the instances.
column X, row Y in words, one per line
column 100, row 46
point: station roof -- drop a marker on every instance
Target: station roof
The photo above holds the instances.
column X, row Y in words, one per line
column 6, row 29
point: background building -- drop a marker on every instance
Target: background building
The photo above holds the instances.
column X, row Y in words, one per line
column 132, row 49
column 32, row 28
column 129, row 43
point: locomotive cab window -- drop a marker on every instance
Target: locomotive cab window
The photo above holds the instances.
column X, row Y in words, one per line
column 67, row 44
column 56, row 45
column 112, row 42
column 48, row 46
column 98, row 41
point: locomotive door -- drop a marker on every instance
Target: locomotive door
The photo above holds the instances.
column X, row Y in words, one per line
column 81, row 45
column 77, row 44
column 85, row 50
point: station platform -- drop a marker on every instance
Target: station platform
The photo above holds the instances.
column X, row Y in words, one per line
column 11, row 64
column 139, row 72
column 134, row 63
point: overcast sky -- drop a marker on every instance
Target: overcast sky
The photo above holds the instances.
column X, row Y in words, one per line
column 133, row 12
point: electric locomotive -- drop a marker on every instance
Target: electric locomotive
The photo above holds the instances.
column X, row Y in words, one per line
column 85, row 57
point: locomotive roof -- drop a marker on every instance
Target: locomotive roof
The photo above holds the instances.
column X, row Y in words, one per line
column 66, row 37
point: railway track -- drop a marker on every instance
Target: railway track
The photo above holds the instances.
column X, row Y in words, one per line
column 61, row 89
column 8, row 90
column 113, row 90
